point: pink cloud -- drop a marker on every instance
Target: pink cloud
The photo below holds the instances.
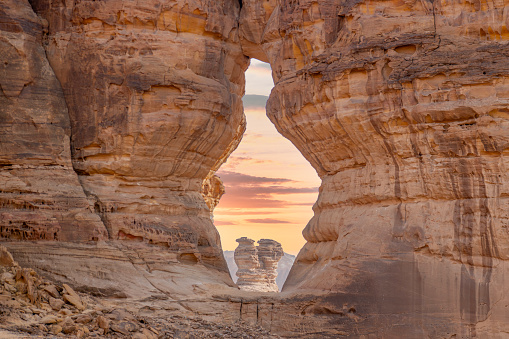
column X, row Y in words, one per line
column 230, row 178
column 224, row 223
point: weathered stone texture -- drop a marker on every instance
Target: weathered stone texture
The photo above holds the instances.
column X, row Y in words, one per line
column 40, row 196
column 401, row 107
column 257, row 265
column 154, row 94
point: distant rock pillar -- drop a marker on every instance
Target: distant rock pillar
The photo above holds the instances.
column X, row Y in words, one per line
column 257, row 266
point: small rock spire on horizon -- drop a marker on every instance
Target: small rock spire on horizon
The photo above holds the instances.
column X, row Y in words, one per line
column 257, row 264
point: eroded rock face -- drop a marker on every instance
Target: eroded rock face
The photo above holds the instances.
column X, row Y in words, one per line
column 212, row 190
column 257, row 265
column 154, row 95
column 401, row 107
column 40, row 196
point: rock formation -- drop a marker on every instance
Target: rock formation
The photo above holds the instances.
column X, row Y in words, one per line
column 401, row 107
column 115, row 116
column 148, row 129
column 283, row 267
column 40, row 196
column 257, row 265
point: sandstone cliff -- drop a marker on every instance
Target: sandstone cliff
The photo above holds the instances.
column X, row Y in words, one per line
column 257, row 265
column 154, row 95
column 401, row 107
column 115, row 128
column 40, row 196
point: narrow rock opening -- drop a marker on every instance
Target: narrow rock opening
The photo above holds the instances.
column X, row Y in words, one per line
column 270, row 187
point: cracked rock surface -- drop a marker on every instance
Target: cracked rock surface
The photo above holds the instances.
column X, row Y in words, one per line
column 115, row 116
column 401, row 107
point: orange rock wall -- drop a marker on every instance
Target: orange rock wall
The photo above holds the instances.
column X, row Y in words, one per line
column 401, row 107
column 154, row 94
column 40, row 196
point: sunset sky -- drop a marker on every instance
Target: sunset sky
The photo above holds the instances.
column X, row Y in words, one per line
column 270, row 187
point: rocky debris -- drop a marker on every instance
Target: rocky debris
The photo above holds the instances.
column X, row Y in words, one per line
column 400, row 106
column 72, row 297
column 32, row 311
column 257, row 265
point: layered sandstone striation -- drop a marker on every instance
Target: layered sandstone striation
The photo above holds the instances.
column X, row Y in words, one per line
column 115, row 128
column 257, row 265
column 40, row 196
column 154, row 94
column 401, row 107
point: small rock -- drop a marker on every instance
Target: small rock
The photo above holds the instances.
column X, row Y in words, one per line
column 43, row 328
column 46, row 307
column 72, row 297
column 56, row 304
column 10, row 288
column 68, row 326
column 75, row 301
column 65, row 311
column 55, row 329
column 103, row 323
column 49, row 319
column 21, row 287
column 6, row 258
column 36, row 310
column 83, row 318
column 52, row 290
column 7, row 276
column 124, row 327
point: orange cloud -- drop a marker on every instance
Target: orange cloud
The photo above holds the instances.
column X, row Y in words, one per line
column 224, row 223
column 267, row 221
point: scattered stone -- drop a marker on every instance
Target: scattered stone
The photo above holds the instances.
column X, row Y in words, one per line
column 55, row 329
column 103, row 323
column 83, row 318
column 73, row 298
column 49, row 319
column 124, row 327
column 56, row 304
column 6, row 258
column 68, row 326
column 52, row 290
column 65, row 312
